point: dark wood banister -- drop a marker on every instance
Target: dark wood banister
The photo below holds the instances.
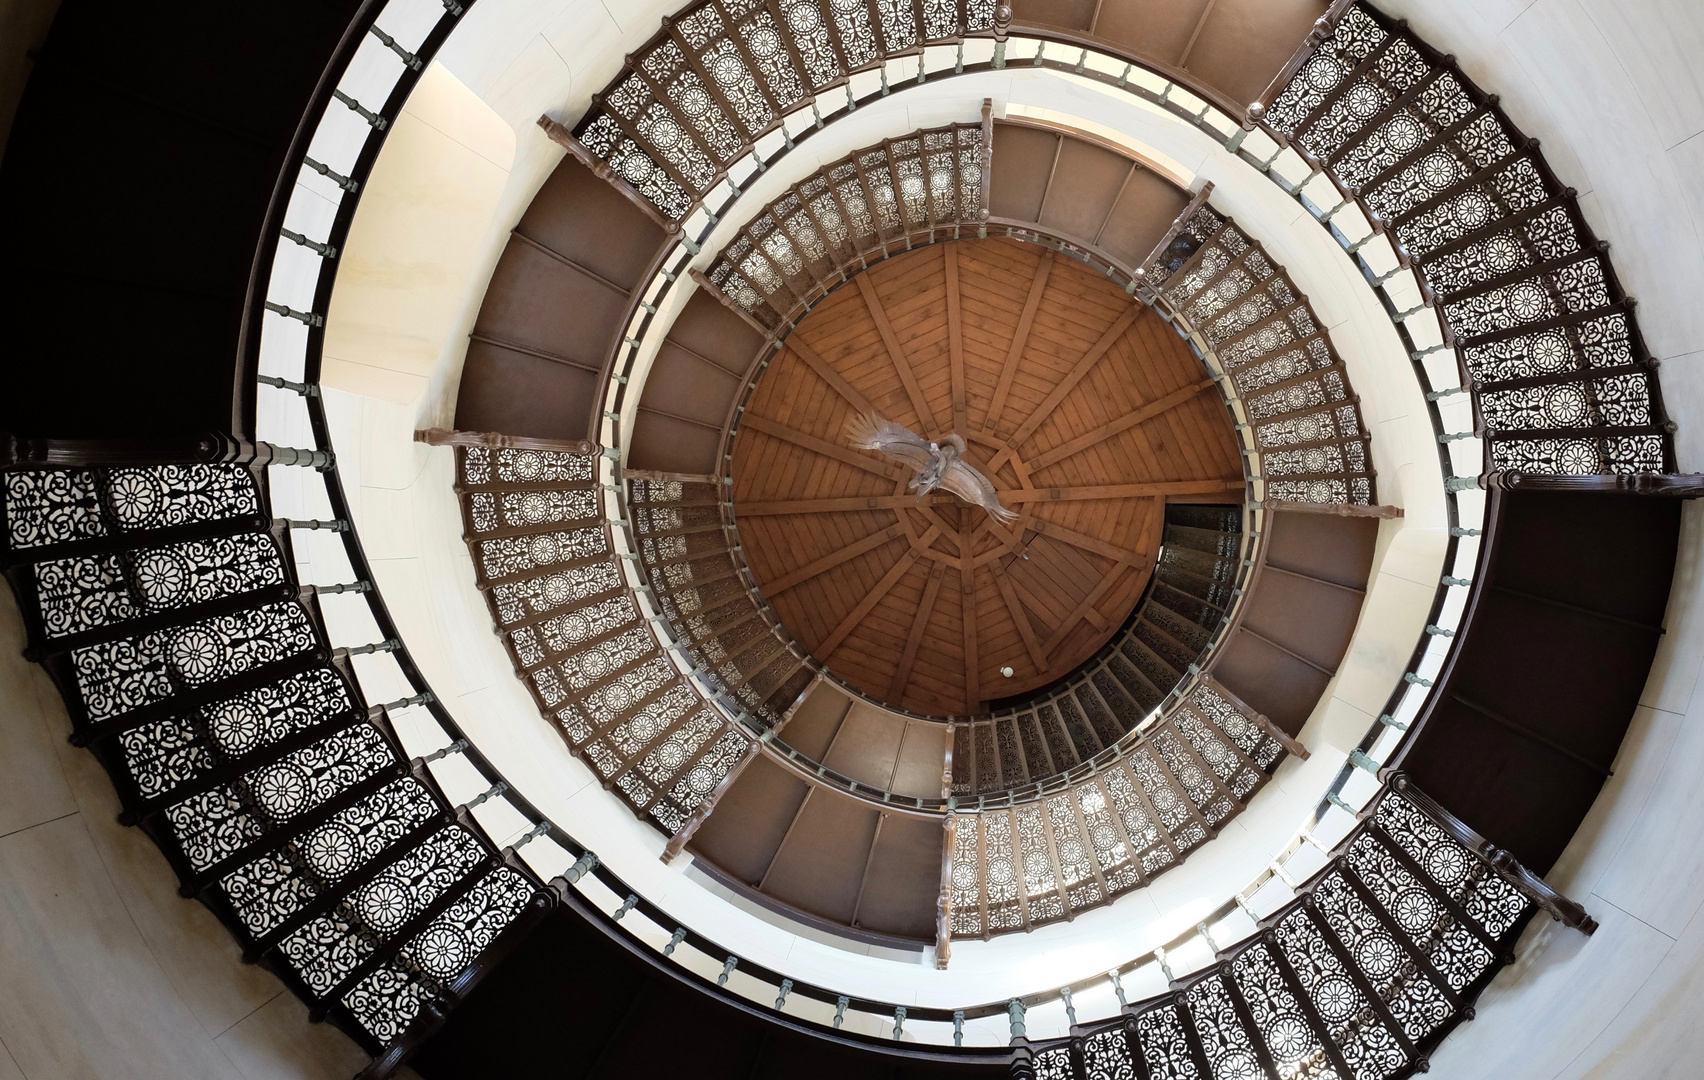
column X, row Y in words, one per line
column 1541, row 892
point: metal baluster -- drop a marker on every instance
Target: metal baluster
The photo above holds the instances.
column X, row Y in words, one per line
column 374, row 120
column 325, row 250
column 306, row 318
column 1160, row 959
column 584, row 865
column 388, row 645
column 320, row 460
column 403, row 703
column 489, row 793
column 674, row 941
column 342, row 587
column 533, row 834
column 344, row 182
column 407, row 57
column 454, row 748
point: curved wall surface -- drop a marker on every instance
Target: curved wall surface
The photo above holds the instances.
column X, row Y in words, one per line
column 1611, row 89
column 1614, row 92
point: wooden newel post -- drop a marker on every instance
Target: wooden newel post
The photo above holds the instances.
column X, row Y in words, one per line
column 1561, row 908
column 949, row 831
column 728, row 302
column 986, row 157
column 677, row 843
column 1196, row 202
column 561, row 136
column 1259, row 719
column 496, row 440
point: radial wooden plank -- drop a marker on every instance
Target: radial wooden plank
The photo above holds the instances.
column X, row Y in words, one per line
column 1115, row 413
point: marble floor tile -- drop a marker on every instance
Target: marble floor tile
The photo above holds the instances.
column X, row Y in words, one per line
column 1601, row 117
column 84, row 996
column 276, row 1042
column 1658, row 873
column 1658, row 42
column 1619, row 810
column 1543, row 1013
column 1682, row 380
column 194, row 949
column 1657, row 1035
column 32, row 787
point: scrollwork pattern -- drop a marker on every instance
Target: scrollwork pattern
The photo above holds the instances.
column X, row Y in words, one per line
column 120, row 676
column 1523, row 289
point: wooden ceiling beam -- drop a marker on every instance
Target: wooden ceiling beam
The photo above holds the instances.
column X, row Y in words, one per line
column 850, row 504
column 1122, row 424
column 1025, row 629
column 920, row 623
column 1085, row 610
column 826, row 449
column 901, row 363
column 1118, row 329
column 1119, row 491
column 833, row 378
column 1020, row 338
column 872, row 598
column 955, row 337
column 830, row 561
column 1093, row 545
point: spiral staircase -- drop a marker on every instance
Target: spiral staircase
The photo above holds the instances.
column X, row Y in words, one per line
column 401, row 887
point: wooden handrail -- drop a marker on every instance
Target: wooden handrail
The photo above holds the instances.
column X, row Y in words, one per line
column 1564, row 910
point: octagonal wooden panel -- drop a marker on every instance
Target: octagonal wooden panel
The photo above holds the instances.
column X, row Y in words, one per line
column 1082, row 405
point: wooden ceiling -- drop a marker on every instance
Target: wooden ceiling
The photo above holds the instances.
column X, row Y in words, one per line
column 1082, row 405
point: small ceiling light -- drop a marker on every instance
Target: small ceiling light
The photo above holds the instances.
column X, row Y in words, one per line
column 1006, row 671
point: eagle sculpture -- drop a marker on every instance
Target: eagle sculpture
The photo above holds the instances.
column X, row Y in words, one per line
column 939, row 464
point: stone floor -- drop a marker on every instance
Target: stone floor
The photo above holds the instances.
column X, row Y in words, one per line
column 105, row 972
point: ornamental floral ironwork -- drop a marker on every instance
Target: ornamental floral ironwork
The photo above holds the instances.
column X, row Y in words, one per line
column 1357, row 979
column 1306, row 420
column 577, row 636
column 200, row 675
column 721, row 74
column 1545, row 335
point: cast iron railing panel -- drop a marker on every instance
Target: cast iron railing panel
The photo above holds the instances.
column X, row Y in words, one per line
column 574, row 630
column 1383, row 951
column 200, row 674
column 1546, row 337
column 830, row 224
column 1131, row 820
column 721, row 74
column 1307, row 423
column 684, row 552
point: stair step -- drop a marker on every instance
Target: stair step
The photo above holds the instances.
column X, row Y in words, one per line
column 1340, row 976
column 1493, row 233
